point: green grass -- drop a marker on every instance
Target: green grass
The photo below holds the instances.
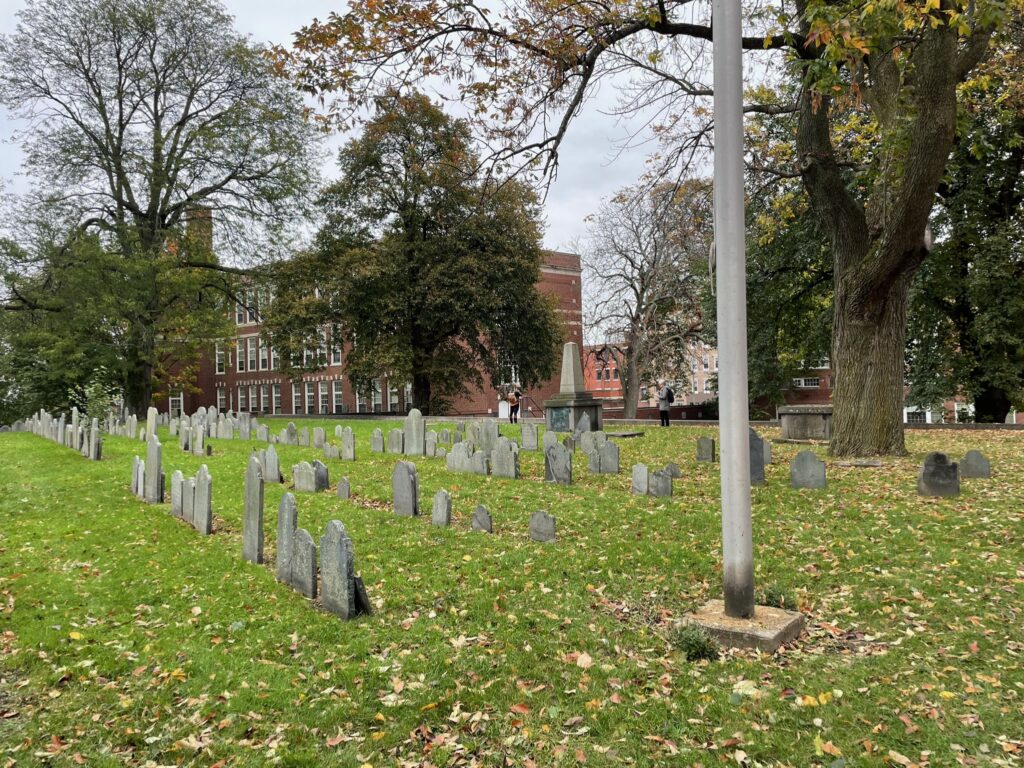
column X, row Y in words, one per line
column 128, row 639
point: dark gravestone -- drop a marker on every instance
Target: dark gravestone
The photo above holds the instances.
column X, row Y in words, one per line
column 673, row 469
column 405, row 489
column 659, row 484
column 558, row 465
column 320, row 476
column 303, row 570
column 287, row 523
column 482, row 520
column 974, row 464
column 705, row 449
column 542, row 526
column 337, row 570
column 939, row 476
column 807, row 471
column 363, row 607
column 756, row 459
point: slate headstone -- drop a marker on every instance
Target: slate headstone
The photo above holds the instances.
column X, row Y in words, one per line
column 529, row 436
column 659, row 484
column 482, row 520
column 705, row 449
column 756, row 458
column 807, row 471
column 337, row 570
column 640, row 479
column 344, row 488
column 974, row 464
column 252, row 515
column 414, row 435
column 272, row 466
column 202, row 508
column 287, row 523
column 505, row 460
column 177, row 480
column 405, row 489
column 348, row 444
column 542, row 526
column 319, row 439
column 558, row 465
column 442, row 510
column 188, row 500
column 154, row 491
column 939, row 476
column 303, row 567
column 304, row 477
column 377, row 441
column 320, row 476
column 396, row 441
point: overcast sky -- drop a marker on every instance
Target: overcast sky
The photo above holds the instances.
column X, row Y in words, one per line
column 589, row 168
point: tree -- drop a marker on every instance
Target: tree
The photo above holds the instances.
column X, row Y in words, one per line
column 141, row 116
column 639, row 260
column 967, row 324
column 427, row 271
column 526, row 72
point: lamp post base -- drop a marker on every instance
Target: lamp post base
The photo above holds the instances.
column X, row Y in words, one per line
column 765, row 631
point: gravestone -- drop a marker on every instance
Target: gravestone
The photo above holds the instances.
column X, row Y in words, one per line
column 287, row 523
column 640, row 479
column 344, row 488
column 151, row 414
column 272, row 466
column 377, row 441
column 95, row 441
column 304, row 437
column 348, row 444
column 197, row 441
column 337, row 570
column 504, row 460
column 489, row 435
column 202, row 508
column 659, row 484
column 154, row 491
column 304, row 478
column 558, row 465
column 550, row 438
column 177, row 480
column 705, row 449
column 590, row 441
column 974, row 464
column 396, row 441
column 767, row 452
column 608, row 455
column 319, row 439
column 245, row 426
column 413, row 431
column 252, row 515
column 542, row 526
column 363, row 606
column 569, row 442
column 444, row 436
column 482, row 520
column 338, row 430
column 140, row 478
column 756, row 447
column 458, row 435
column 263, row 433
column 442, row 510
column 331, row 451
column 939, row 476
column 303, row 566
column 673, row 469
column 529, row 436
column 430, row 444
column 184, row 433
column 321, row 476
column 807, row 471
column 405, row 489
column 188, row 500
column 291, row 434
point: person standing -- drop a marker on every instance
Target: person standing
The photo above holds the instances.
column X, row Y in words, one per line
column 515, row 397
column 665, row 398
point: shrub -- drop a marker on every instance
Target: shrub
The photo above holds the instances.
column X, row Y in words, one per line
column 695, row 642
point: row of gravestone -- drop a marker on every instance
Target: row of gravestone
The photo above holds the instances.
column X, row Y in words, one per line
column 341, row 591
column 71, row 434
column 939, row 476
column 405, row 494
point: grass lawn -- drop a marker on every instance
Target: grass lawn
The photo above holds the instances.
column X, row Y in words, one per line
column 128, row 639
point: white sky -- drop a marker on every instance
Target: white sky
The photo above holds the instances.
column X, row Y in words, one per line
column 588, row 171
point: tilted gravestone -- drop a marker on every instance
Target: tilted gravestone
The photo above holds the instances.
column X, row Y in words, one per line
column 337, row 569
column 396, row 441
column 344, row 488
column 252, row 515
column 558, row 465
column 405, row 489
column 304, row 477
column 303, row 567
column 705, row 449
column 441, row 513
column 807, row 471
column 542, row 526
column 348, row 444
column 756, row 446
column 505, row 460
column 939, row 476
column 287, row 524
column 659, row 484
column 640, row 479
column 414, row 435
column 529, row 436
column 272, row 466
column 975, row 465
column 202, row 508
column 320, row 476
column 550, row 438
column 177, row 480
column 377, row 441
column 482, row 520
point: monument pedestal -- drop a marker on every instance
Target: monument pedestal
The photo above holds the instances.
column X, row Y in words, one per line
column 765, row 631
column 566, row 410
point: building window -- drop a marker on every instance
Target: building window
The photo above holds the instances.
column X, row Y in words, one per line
column 694, row 388
column 252, row 352
column 336, row 356
column 274, row 360
column 325, row 398
column 276, row 389
column 264, row 397
column 917, row 417
column 707, row 367
column 296, row 398
column 360, row 405
column 310, row 398
column 240, row 355
column 252, row 397
column 241, row 398
column 264, row 355
column 239, row 314
column 222, row 399
column 808, row 382
column 251, row 298
column 219, row 357
column 175, row 404
column 408, row 391
column 615, row 374
column 377, row 402
column 707, row 386
column 693, row 363
column 392, row 404
column 338, row 394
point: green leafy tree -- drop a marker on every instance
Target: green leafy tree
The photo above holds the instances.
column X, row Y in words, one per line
column 425, row 269
column 141, row 118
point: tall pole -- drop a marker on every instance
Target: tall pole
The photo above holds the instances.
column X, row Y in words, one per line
column 737, row 546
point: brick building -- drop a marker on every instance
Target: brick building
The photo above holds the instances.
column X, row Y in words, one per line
column 242, row 376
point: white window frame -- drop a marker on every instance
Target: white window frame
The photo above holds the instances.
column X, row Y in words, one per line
column 222, row 398
column 325, row 398
column 310, row 398
column 219, row 359
column 296, row 398
column 251, row 343
column 275, row 395
column 241, row 398
column 240, row 355
column 338, row 395
column 264, row 355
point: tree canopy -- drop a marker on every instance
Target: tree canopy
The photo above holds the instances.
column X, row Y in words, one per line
column 425, row 269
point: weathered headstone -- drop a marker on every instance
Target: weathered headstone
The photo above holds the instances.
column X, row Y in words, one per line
column 344, row 488
column 706, row 449
column 321, row 476
column 252, row 515
column 303, row 568
column 348, row 445
column 184, row 435
column 974, row 464
column 807, row 471
column 756, row 458
column 304, row 477
column 337, row 569
column 197, row 442
column 529, row 436
column 405, row 489
column 188, row 500
column 542, row 526
column 414, row 436
column 396, row 441
column 640, row 479
column 291, row 434
column 558, row 465
column 673, row 469
column 177, row 480
column 272, row 466
column 550, row 438
column 319, row 437
column 482, row 520
column 377, row 441
column 304, row 437
column 488, row 435
column 202, row 508
column 151, row 414
column 659, row 484
column 442, row 510
column 582, row 425
column 939, row 476
column 504, row 460
column 287, row 523
column 430, row 444
column 154, row 491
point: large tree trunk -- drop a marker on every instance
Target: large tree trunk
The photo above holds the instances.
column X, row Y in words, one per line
column 630, row 378
column 991, row 405
column 868, row 344
column 421, row 393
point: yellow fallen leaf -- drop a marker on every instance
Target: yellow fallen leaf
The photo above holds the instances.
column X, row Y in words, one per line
column 75, row 635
